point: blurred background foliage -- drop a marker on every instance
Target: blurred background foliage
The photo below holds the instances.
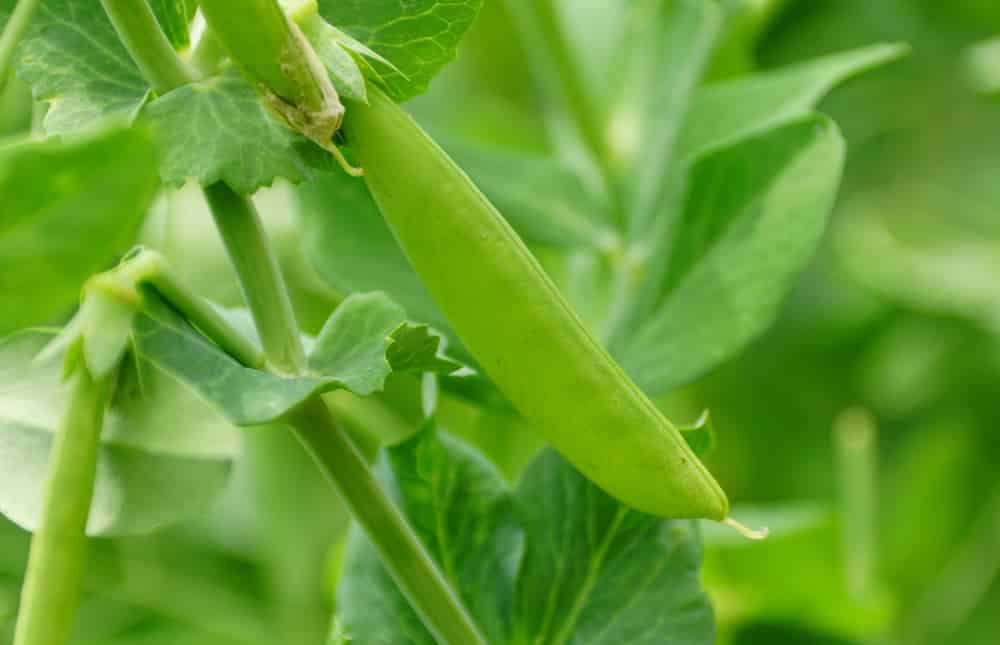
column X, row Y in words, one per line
column 898, row 314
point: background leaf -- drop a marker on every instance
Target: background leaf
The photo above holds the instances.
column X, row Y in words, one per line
column 417, row 36
column 67, row 210
column 753, row 216
column 175, row 18
column 140, row 485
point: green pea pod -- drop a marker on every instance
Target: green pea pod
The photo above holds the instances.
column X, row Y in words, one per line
column 519, row 327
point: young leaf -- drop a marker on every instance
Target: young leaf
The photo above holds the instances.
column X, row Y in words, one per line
column 723, row 113
column 218, row 130
column 145, row 479
column 418, row 37
column 556, row 562
column 752, row 217
column 73, row 60
column 460, row 508
column 68, row 209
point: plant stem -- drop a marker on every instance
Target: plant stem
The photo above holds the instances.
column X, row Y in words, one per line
column 416, row 574
column 12, row 34
column 855, row 439
column 59, row 546
column 151, row 268
column 141, row 34
column 267, row 296
column 260, row 276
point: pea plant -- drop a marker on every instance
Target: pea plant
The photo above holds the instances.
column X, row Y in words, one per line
column 474, row 298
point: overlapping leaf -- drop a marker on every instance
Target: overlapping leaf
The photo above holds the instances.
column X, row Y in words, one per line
column 163, row 455
column 417, row 37
column 67, row 210
column 556, row 561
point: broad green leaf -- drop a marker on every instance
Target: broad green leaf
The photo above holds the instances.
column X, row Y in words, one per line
column 597, row 572
column 349, row 354
column 156, row 475
column 753, row 215
column 726, row 112
column 418, row 37
column 218, row 130
column 175, row 18
column 67, row 210
column 671, row 43
column 459, row 506
column 557, row 561
column 73, row 60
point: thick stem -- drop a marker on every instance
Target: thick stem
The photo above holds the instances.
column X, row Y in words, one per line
column 17, row 26
column 260, row 276
column 59, row 547
column 416, row 574
column 141, row 34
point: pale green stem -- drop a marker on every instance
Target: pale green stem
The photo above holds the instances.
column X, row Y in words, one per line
column 416, row 574
column 151, row 268
column 260, row 277
column 13, row 32
column 56, row 562
column 141, row 34
column 208, row 54
column 856, row 450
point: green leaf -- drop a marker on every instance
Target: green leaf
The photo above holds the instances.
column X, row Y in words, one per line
column 73, row 60
column 752, row 218
column 726, row 112
column 175, row 18
column 415, row 348
column 459, row 506
column 541, row 197
column 417, row 37
column 218, row 130
column 148, row 474
column 349, row 354
column 597, row 572
column 671, row 43
column 556, row 562
column 700, row 435
column 69, row 209
column 354, row 251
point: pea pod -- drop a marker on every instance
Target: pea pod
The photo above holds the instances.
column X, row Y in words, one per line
column 516, row 323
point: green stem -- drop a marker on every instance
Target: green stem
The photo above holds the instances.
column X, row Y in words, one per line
column 17, row 26
column 260, row 277
column 208, row 54
column 855, row 441
column 141, row 34
column 59, row 547
column 151, row 268
column 267, row 296
column 416, row 574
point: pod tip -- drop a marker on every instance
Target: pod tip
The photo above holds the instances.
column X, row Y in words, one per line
column 353, row 171
column 746, row 531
